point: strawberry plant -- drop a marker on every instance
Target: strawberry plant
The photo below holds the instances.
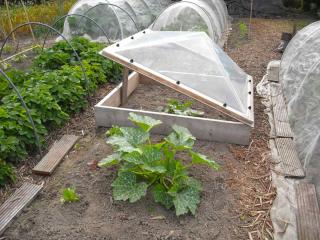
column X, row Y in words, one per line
column 181, row 108
column 6, row 173
column 144, row 164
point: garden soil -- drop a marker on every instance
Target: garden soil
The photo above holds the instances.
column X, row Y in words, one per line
column 235, row 202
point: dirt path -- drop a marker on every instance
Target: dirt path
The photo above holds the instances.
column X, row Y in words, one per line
column 229, row 202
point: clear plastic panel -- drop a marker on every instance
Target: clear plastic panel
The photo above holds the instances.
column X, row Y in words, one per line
column 193, row 59
column 118, row 18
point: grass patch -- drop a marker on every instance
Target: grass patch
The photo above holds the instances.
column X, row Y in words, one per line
column 45, row 13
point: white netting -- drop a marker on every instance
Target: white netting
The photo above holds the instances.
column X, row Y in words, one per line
column 300, row 79
column 117, row 18
column 209, row 16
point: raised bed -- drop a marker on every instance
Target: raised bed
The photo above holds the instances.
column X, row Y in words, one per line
column 109, row 111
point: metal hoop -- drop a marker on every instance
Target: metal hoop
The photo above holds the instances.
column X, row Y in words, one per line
column 56, row 31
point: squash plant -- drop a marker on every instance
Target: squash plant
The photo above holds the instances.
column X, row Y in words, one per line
column 143, row 165
column 181, row 108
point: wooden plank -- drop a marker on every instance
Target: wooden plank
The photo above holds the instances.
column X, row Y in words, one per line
column 124, row 89
column 52, row 159
column 16, row 203
column 290, row 162
column 201, row 128
column 308, row 214
column 280, row 114
column 245, row 118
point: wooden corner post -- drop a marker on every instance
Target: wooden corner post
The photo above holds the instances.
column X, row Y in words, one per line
column 124, row 89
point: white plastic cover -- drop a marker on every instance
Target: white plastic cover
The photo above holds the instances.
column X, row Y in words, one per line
column 300, row 78
column 118, row 18
column 209, row 16
column 193, row 60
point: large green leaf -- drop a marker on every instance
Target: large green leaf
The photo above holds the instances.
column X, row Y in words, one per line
column 186, row 200
column 126, row 187
column 181, row 138
column 134, row 136
column 110, row 160
column 121, row 143
column 149, row 158
column 129, row 139
column 160, row 195
column 144, row 122
column 198, row 158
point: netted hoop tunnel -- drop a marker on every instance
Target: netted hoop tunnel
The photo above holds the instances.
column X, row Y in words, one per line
column 24, row 105
column 118, row 18
column 209, row 16
column 299, row 76
column 51, row 29
column 80, row 16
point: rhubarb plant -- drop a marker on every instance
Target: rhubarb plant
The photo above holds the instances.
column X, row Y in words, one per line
column 157, row 166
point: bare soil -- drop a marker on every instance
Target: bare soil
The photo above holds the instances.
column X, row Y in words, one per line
column 154, row 97
column 235, row 201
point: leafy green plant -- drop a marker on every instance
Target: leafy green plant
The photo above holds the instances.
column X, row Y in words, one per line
column 53, row 88
column 69, row 195
column 181, row 108
column 143, row 165
column 6, row 173
column 19, row 58
column 243, row 29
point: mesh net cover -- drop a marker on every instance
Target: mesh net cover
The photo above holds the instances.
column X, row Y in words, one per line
column 299, row 77
column 209, row 16
column 117, row 18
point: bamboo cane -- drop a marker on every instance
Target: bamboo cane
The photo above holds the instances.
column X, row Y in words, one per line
column 250, row 20
column 10, row 22
column 28, row 19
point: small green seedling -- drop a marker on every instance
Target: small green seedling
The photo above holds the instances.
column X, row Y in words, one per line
column 19, row 58
column 145, row 165
column 181, row 108
column 243, row 28
column 69, row 195
column 8, row 49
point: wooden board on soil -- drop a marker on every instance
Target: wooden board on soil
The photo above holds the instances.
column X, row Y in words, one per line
column 290, row 162
column 280, row 114
column 308, row 216
column 15, row 204
column 52, row 159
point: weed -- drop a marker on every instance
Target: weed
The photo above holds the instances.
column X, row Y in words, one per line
column 181, row 108
column 243, row 29
column 69, row 195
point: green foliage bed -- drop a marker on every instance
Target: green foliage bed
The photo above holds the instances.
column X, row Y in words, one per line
column 53, row 89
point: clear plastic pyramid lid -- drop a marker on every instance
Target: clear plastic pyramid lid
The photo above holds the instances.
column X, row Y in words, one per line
column 191, row 63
